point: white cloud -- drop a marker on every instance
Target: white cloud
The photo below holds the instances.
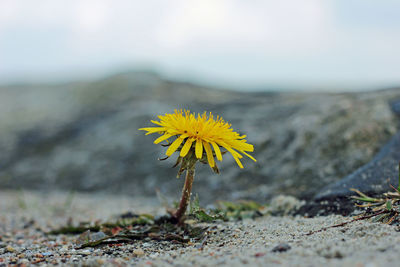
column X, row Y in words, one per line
column 92, row 15
column 239, row 25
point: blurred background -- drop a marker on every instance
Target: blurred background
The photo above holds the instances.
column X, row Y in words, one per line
column 259, row 45
column 300, row 78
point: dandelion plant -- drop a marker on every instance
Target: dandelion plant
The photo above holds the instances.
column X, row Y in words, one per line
column 197, row 138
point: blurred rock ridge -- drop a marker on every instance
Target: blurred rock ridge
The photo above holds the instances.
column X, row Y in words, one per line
column 84, row 136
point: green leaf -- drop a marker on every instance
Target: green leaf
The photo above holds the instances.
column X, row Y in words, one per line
column 389, row 205
column 203, row 216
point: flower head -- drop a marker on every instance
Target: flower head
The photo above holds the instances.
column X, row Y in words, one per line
column 202, row 137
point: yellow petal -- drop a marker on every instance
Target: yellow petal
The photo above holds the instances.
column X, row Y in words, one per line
column 217, row 151
column 186, row 147
column 199, row 149
column 162, row 138
column 157, row 122
column 229, row 148
column 151, row 130
column 174, row 146
column 249, row 156
column 210, row 156
column 238, row 162
column 235, row 154
column 247, row 147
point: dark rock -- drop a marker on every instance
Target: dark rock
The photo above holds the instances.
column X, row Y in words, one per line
column 281, row 248
column 128, row 215
column 374, row 178
column 395, row 105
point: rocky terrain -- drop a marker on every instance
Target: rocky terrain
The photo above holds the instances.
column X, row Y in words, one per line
column 84, row 136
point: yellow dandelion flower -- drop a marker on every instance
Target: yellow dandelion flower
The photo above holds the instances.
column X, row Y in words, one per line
column 203, row 135
column 197, row 139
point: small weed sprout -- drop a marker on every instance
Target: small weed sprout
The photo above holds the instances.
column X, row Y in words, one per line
column 385, row 209
column 197, row 138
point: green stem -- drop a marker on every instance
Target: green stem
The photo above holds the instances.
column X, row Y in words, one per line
column 186, row 192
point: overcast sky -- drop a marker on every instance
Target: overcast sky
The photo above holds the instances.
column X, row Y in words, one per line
column 318, row 44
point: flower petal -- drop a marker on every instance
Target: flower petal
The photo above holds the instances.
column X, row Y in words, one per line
column 234, row 153
column 174, row 146
column 157, row 122
column 210, row 156
column 186, row 147
column 199, row 149
column 230, row 149
column 241, row 145
column 249, row 156
column 151, row 130
column 217, row 151
column 238, row 162
column 162, row 138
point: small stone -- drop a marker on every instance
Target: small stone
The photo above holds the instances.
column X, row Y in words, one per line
column 154, row 255
column 45, row 254
column 22, row 255
column 244, row 261
column 138, row 252
column 64, row 248
column 10, row 249
column 281, row 248
column 37, row 260
column 85, row 252
column 19, row 236
column 24, row 261
column 97, row 236
column 13, row 260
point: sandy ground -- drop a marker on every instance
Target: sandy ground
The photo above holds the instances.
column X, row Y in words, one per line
column 24, row 217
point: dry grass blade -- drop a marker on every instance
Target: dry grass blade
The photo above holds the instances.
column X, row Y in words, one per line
column 363, row 197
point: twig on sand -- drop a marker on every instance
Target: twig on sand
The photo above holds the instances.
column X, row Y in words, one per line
column 345, row 223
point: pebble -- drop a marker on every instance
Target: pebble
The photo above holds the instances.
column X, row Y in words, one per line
column 24, row 261
column 281, row 248
column 64, row 248
column 138, row 252
column 85, row 252
column 10, row 249
column 146, row 245
column 45, row 254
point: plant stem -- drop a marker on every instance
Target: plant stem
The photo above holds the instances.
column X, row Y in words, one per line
column 187, row 189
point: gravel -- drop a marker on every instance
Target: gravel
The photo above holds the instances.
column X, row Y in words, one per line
column 282, row 241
